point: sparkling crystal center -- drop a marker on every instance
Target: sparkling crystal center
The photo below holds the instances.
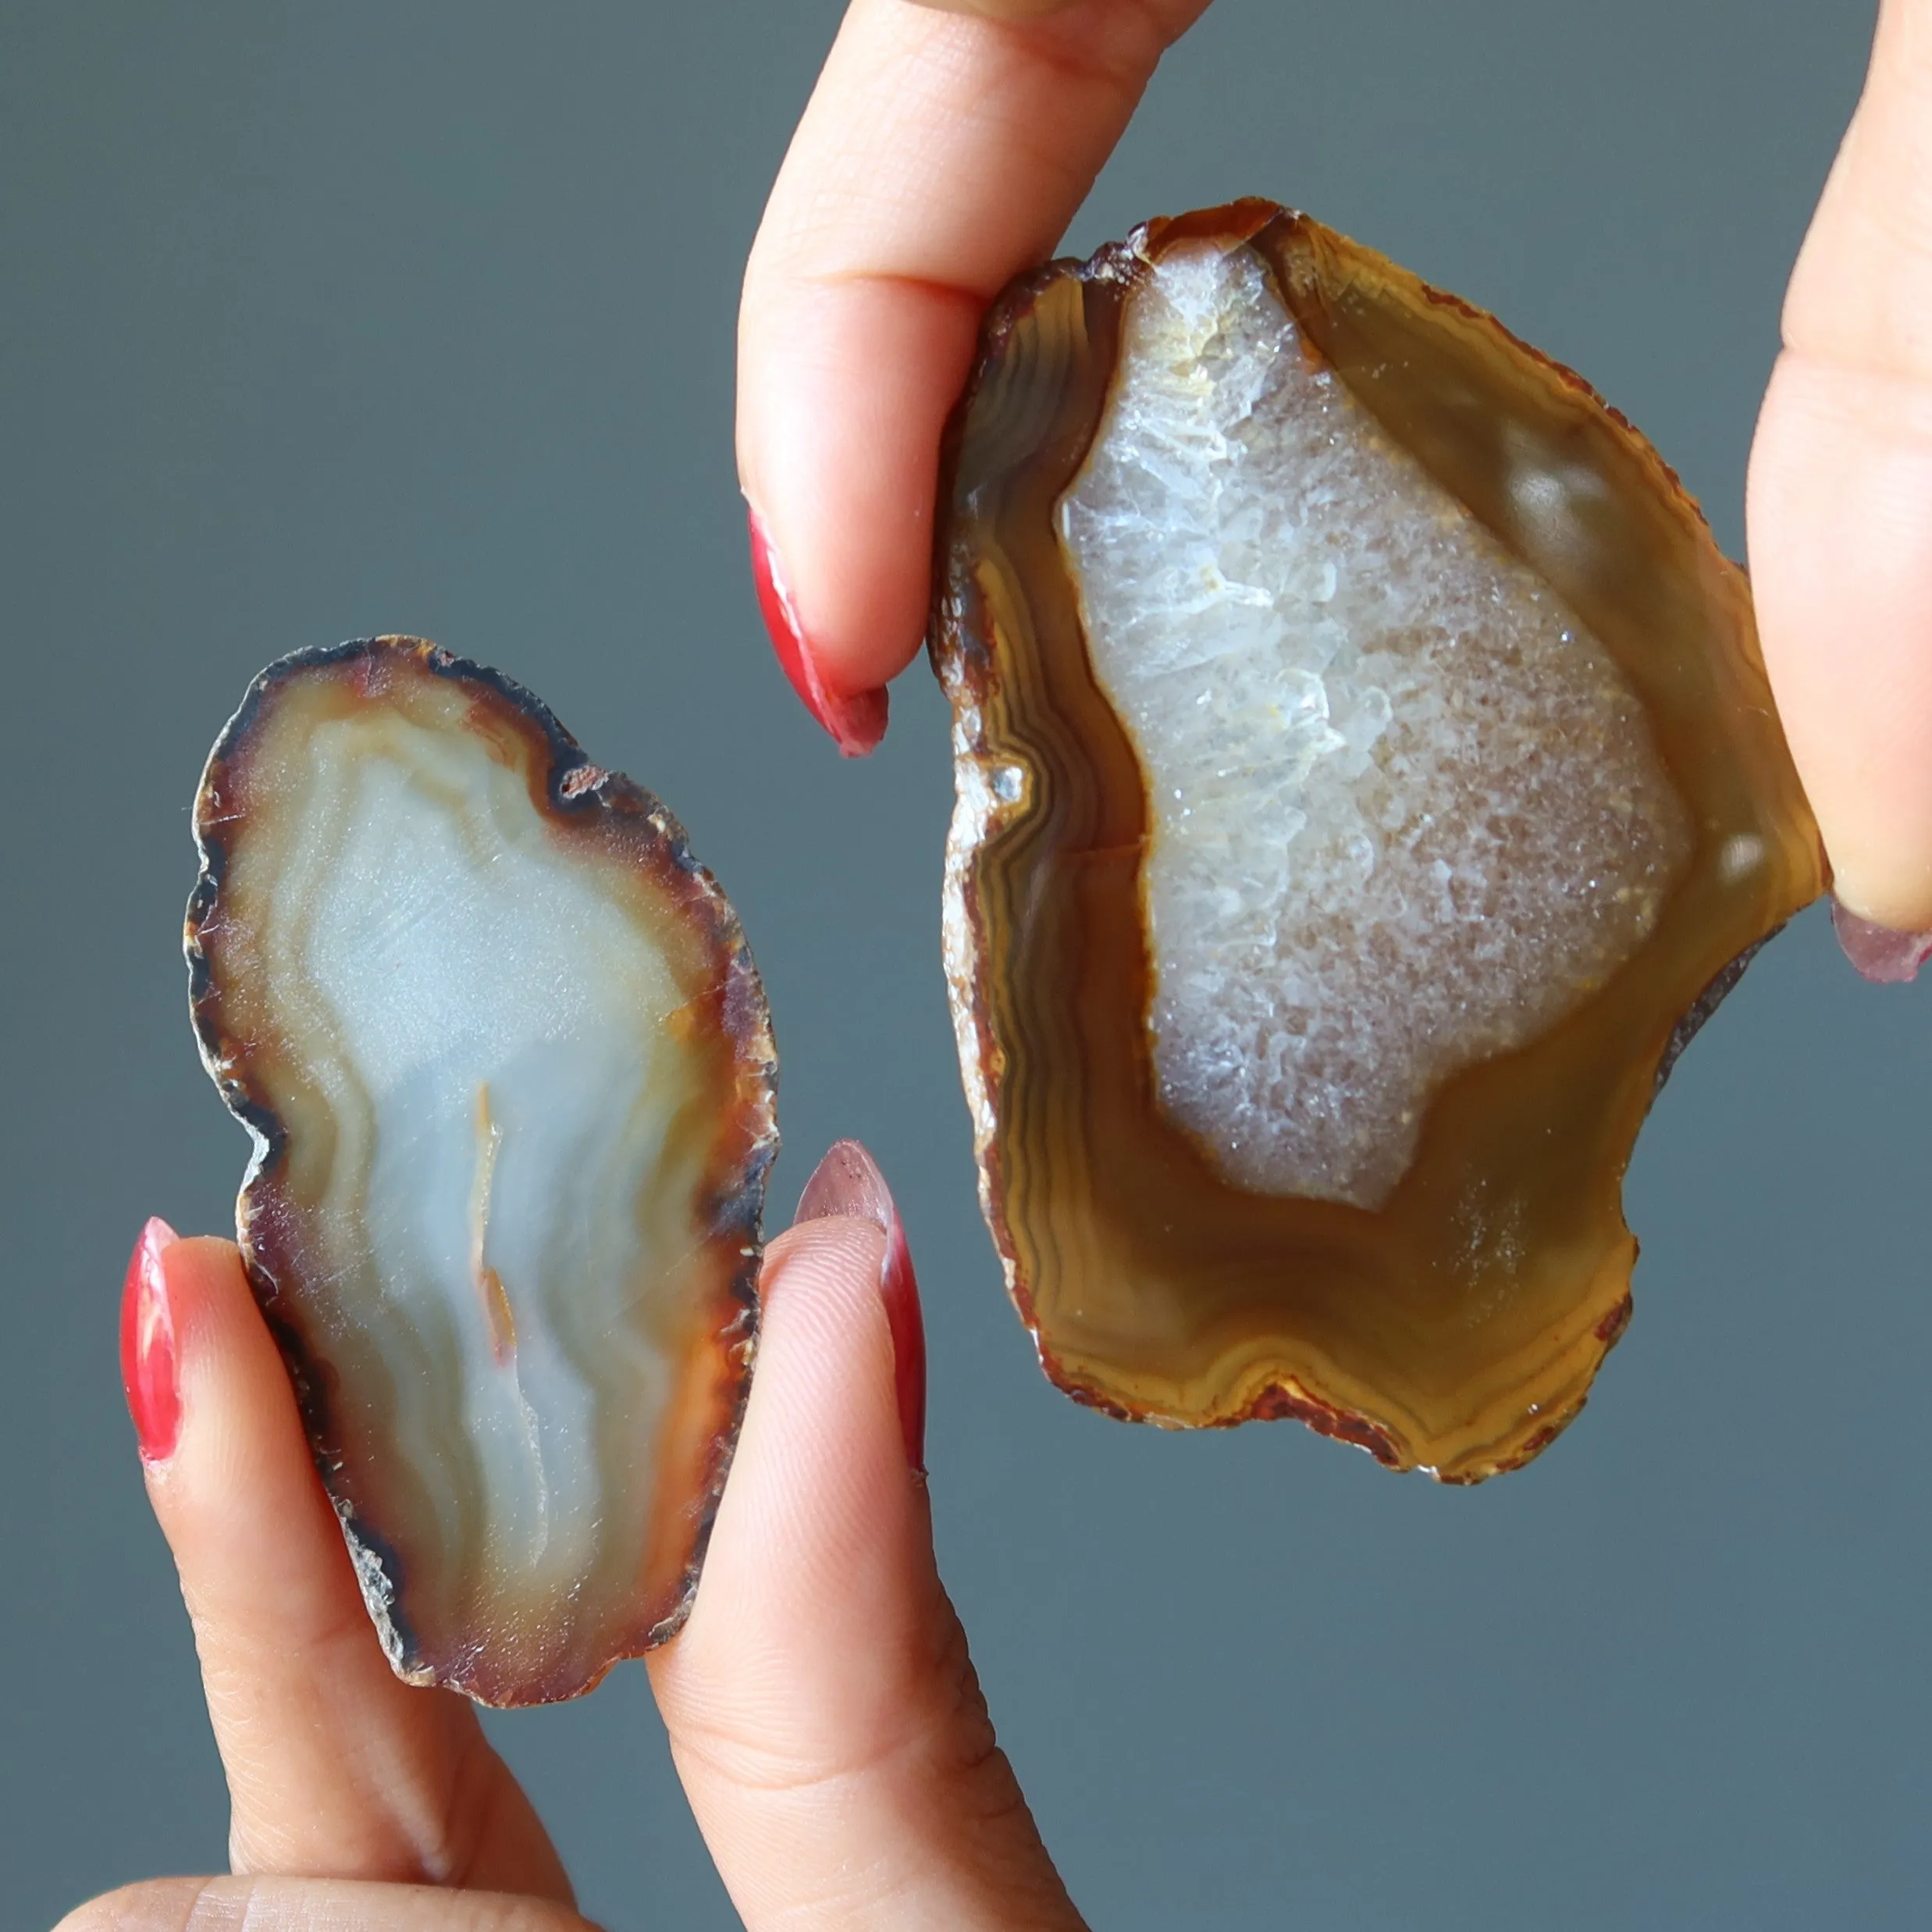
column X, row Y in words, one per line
column 1406, row 812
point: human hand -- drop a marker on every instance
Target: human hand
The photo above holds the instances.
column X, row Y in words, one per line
column 944, row 150
column 1840, row 501
column 823, row 1711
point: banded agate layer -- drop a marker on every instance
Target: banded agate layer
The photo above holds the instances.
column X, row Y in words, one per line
column 510, row 1073
column 1367, row 780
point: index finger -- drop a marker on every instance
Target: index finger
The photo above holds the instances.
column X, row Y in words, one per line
column 941, row 152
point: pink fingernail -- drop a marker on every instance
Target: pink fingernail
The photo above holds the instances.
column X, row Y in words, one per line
column 848, row 1182
column 148, row 1368
column 1888, row 958
column 856, row 723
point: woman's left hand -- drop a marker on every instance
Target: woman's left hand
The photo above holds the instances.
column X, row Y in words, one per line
column 822, row 1708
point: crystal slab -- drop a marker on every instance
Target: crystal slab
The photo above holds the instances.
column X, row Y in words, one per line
column 510, row 1076
column 1366, row 781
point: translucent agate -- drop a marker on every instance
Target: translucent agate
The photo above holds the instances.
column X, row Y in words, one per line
column 1367, row 780
column 510, row 1074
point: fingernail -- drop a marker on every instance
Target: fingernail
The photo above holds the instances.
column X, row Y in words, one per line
column 848, row 1182
column 1881, row 954
column 855, row 724
column 147, row 1357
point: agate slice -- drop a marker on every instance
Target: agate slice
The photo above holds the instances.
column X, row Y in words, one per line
column 510, row 1074
column 1367, row 779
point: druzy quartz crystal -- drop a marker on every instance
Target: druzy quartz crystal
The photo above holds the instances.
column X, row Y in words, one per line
column 1367, row 780
column 510, row 1076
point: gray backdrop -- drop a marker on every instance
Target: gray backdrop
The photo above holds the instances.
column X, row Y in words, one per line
column 321, row 320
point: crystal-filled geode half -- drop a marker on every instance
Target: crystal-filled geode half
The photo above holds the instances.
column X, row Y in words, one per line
column 1367, row 779
column 510, row 1074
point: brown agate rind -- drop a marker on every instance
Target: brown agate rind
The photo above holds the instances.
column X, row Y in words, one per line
column 1457, row 1325
column 510, row 1074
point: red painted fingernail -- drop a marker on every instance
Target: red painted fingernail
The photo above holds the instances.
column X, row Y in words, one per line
column 856, row 723
column 148, row 1359
column 1889, row 958
column 848, row 1182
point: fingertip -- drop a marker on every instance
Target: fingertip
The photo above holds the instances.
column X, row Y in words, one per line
column 1882, row 955
column 845, row 388
column 818, row 1467
column 822, row 1523
column 848, row 1181
column 178, row 1303
column 149, row 1371
column 237, row 1404
column 208, row 1284
column 1839, row 513
column 236, row 1493
column 855, row 724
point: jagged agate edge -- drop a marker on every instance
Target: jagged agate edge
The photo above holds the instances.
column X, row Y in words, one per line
column 573, row 785
column 958, row 650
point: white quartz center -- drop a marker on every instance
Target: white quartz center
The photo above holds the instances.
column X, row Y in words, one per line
column 1407, row 812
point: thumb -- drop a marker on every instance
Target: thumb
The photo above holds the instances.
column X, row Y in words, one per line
column 1839, row 509
column 823, row 1710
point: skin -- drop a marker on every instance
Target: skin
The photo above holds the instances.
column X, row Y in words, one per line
column 822, row 1708
column 941, row 152
column 944, row 151
column 1840, row 499
column 821, row 1704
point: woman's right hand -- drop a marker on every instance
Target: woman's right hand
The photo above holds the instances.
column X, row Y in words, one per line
column 947, row 146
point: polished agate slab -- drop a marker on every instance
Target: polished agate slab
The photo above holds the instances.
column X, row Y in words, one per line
column 1367, row 780
column 510, row 1074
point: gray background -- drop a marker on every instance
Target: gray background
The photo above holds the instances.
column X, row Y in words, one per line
column 319, row 320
